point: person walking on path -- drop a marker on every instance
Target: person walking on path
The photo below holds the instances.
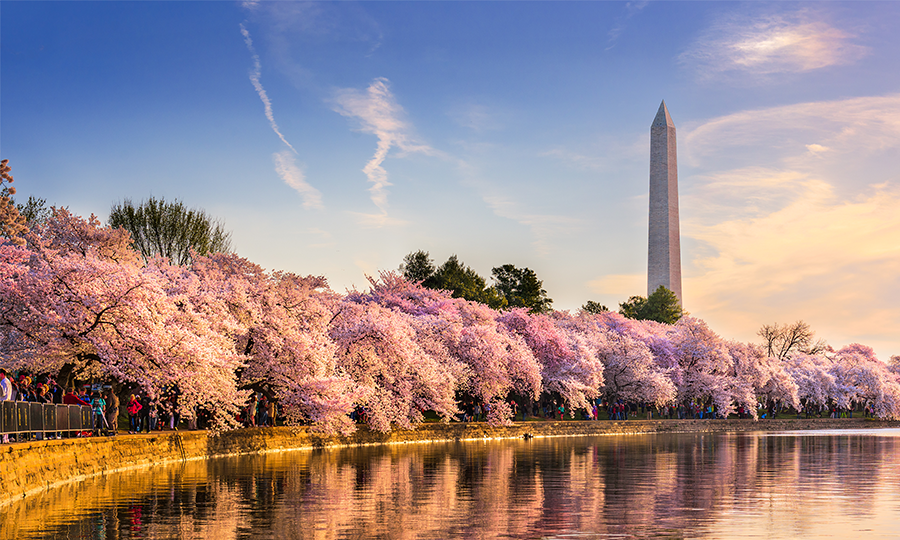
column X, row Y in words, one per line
column 147, row 407
column 134, row 407
column 112, row 411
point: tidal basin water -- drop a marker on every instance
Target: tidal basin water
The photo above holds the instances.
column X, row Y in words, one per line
column 822, row 484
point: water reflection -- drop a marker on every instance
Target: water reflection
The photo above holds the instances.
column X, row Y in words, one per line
column 743, row 485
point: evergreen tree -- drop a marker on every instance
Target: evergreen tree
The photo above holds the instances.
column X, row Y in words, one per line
column 661, row 306
column 594, row 307
column 521, row 288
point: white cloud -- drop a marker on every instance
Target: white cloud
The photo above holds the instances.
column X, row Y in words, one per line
column 848, row 129
column 379, row 114
column 287, row 169
column 785, row 43
column 255, row 75
column 814, row 235
column 631, row 9
column 285, row 164
column 376, row 221
column 833, row 263
column 816, row 149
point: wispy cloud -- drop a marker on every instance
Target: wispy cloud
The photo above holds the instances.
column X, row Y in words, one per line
column 285, row 163
column 378, row 113
column 287, row 169
column 606, row 154
column 475, row 117
column 819, row 254
column 631, row 9
column 377, row 221
column 800, row 135
column 323, row 238
column 784, row 43
column 255, row 75
column 546, row 229
column 814, row 233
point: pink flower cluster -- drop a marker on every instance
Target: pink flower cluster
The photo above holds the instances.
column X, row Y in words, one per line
column 80, row 304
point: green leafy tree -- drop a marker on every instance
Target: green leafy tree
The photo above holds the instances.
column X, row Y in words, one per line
column 170, row 229
column 417, row 266
column 594, row 307
column 633, row 307
column 661, row 306
column 521, row 288
column 463, row 282
column 453, row 276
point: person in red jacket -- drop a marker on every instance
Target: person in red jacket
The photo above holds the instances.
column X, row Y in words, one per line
column 69, row 398
column 134, row 407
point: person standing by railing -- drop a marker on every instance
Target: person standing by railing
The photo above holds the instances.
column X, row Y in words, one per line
column 23, row 388
column 83, row 396
column 41, row 395
column 98, row 405
column 6, row 394
column 69, row 398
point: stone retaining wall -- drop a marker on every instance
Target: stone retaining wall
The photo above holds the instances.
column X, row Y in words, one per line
column 28, row 468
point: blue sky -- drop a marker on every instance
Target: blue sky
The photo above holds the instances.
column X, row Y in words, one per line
column 335, row 138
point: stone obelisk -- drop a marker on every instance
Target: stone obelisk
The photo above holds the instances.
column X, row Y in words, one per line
column 664, row 259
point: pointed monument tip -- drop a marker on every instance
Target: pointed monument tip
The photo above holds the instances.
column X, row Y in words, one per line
column 662, row 117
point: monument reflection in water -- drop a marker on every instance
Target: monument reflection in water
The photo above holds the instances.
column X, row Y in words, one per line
column 744, row 485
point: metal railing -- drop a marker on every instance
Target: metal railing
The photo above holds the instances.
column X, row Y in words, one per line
column 18, row 417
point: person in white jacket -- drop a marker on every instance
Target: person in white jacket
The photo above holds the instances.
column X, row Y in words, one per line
column 6, row 393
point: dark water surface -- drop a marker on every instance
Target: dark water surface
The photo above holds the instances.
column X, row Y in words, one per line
column 825, row 484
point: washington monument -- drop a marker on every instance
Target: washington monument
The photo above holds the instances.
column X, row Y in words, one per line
column 664, row 259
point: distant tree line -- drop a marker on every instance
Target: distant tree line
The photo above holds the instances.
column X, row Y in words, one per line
column 520, row 287
column 513, row 287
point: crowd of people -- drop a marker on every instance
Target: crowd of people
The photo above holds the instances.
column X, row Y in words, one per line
column 260, row 411
column 616, row 409
column 144, row 414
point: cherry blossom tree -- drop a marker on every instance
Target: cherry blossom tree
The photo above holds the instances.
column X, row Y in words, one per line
column 280, row 323
column 812, row 373
column 758, row 375
column 80, row 303
column 568, row 365
column 490, row 361
column 630, row 370
column 706, row 367
column 862, row 378
column 80, row 306
column 396, row 380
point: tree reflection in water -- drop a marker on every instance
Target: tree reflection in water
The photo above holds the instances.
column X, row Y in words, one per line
column 742, row 485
